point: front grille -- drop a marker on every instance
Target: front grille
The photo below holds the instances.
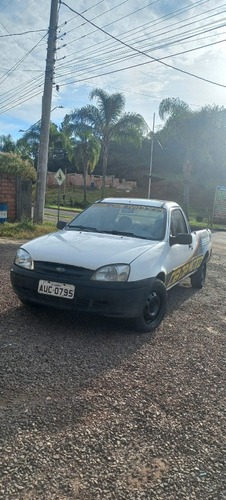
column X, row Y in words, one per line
column 50, row 268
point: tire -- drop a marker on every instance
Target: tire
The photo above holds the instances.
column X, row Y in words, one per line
column 199, row 277
column 154, row 309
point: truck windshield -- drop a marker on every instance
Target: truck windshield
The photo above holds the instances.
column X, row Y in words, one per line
column 139, row 221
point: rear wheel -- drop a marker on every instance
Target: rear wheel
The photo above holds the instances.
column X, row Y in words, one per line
column 154, row 308
column 198, row 279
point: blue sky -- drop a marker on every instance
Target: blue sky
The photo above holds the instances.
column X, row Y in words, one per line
column 188, row 35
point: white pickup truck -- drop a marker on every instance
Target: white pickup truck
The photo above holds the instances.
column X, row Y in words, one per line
column 117, row 258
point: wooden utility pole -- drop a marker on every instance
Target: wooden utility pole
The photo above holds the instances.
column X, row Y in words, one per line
column 45, row 119
column 151, row 157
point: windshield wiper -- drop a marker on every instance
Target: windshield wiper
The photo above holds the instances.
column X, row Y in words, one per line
column 122, row 233
column 127, row 233
column 106, row 231
column 84, row 228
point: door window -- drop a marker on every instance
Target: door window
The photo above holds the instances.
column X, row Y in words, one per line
column 178, row 224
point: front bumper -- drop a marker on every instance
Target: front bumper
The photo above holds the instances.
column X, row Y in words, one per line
column 125, row 299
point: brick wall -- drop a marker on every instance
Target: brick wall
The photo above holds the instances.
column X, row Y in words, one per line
column 8, row 194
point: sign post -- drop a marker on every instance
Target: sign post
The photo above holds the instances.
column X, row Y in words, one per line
column 60, row 178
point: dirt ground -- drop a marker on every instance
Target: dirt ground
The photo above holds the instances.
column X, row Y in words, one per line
column 92, row 410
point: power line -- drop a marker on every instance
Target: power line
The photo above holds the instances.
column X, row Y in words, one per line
column 109, row 73
column 161, row 44
column 112, row 8
column 83, row 12
column 155, row 60
column 21, row 60
column 23, row 33
column 141, row 52
column 10, row 1
column 17, row 15
column 21, row 102
column 28, row 88
column 155, row 22
column 118, row 70
column 140, row 28
column 122, row 55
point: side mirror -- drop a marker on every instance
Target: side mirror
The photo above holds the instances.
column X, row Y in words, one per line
column 61, row 224
column 181, row 239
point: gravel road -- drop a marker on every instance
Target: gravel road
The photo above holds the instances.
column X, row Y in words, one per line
column 90, row 410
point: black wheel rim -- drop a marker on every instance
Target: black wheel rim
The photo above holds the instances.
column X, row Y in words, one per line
column 152, row 307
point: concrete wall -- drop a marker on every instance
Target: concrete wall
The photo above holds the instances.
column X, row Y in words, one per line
column 94, row 181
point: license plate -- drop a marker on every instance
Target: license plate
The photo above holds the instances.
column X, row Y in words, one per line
column 54, row 289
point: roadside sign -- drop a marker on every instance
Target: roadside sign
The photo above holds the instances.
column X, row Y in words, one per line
column 59, row 176
column 219, row 211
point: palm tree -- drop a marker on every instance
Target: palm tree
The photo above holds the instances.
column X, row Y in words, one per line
column 86, row 153
column 28, row 145
column 61, row 147
column 174, row 108
column 109, row 123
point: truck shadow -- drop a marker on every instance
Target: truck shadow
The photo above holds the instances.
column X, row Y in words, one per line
column 54, row 360
column 180, row 294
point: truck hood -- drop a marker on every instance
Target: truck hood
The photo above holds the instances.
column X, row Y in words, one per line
column 87, row 249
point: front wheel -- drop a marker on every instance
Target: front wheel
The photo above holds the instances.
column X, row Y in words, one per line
column 154, row 308
column 198, row 279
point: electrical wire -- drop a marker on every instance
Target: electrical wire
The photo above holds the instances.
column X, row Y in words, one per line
column 10, row 1
column 141, row 52
column 140, row 28
column 157, row 21
column 23, row 33
column 122, row 54
column 15, row 102
column 15, row 66
column 156, row 60
column 112, row 8
column 83, row 12
column 21, row 102
column 162, row 44
column 19, row 13
column 21, row 89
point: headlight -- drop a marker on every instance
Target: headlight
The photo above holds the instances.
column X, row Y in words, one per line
column 116, row 272
column 23, row 259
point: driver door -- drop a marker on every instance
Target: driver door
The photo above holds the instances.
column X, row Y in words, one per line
column 179, row 256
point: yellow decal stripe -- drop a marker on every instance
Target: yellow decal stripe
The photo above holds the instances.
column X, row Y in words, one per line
column 187, row 268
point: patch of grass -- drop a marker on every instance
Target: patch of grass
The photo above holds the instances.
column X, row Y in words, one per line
column 25, row 230
column 194, row 224
column 62, row 208
column 28, row 230
column 74, row 196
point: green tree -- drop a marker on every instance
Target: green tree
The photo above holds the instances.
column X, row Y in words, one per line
column 61, row 147
column 86, row 153
column 109, row 122
column 7, row 145
column 179, row 121
column 174, row 109
column 13, row 164
column 195, row 141
column 28, row 145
